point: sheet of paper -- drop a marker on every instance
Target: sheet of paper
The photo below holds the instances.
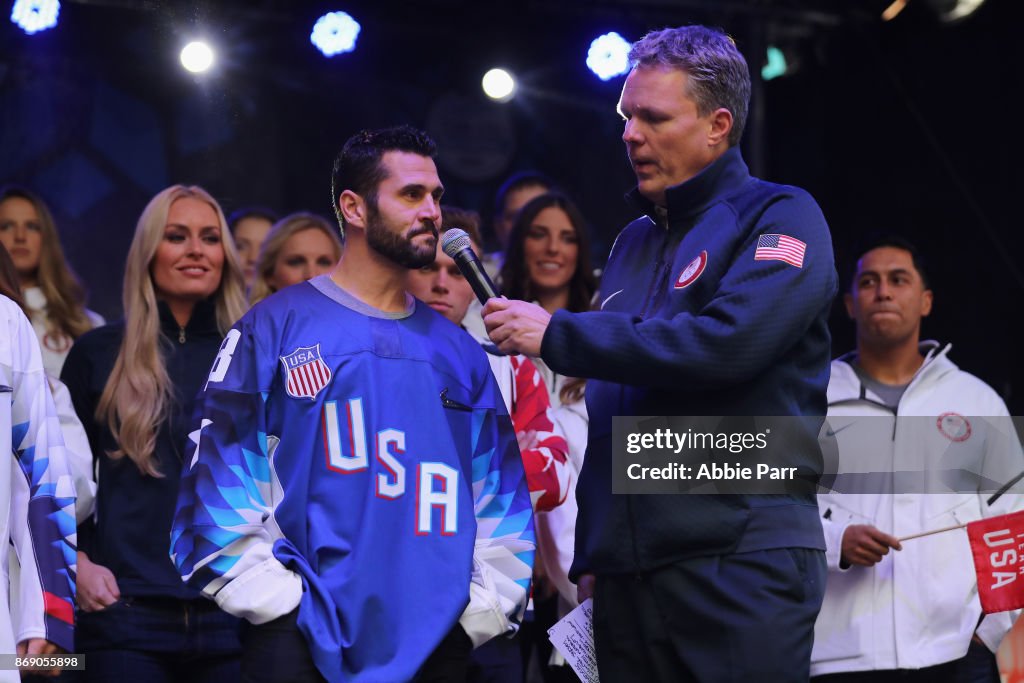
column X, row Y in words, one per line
column 573, row 636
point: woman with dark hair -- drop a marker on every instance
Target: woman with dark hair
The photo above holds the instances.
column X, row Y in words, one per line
column 54, row 297
column 249, row 226
column 548, row 261
column 133, row 384
column 548, row 257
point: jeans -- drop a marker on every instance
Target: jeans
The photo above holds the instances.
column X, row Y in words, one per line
column 277, row 652
column 159, row 640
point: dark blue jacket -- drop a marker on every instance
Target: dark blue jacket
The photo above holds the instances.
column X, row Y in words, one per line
column 692, row 324
column 131, row 532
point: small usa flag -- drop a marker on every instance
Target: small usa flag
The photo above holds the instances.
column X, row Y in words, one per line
column 306, row 374
column 780, row 248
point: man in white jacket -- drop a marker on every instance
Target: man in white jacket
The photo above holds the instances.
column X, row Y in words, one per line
column 907, row 610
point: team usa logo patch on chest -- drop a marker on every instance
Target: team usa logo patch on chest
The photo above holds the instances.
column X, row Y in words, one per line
column 305, row 372
column 954, row 427
column 692, row 271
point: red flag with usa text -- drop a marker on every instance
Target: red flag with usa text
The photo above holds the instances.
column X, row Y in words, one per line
column 997, row 544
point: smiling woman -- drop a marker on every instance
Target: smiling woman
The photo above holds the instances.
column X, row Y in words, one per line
column 133, row 385
column 297, row 248
column 548, row 257
column 188, row 263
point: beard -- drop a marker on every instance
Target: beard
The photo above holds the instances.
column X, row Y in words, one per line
column 397, row 247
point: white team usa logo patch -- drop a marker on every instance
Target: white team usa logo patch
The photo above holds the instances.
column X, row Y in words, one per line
column 306, row 373
column 954, row 427
column 692, row 271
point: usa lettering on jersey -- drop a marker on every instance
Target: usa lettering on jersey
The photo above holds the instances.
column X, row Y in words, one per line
column 347, row 452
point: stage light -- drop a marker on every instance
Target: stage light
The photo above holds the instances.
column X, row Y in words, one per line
column 608, row 56
column 893, row 10
column 950, row 12
column 35, row 15
column 197, row 57
column 334, row 33
column 499, row 85
column 775, row 65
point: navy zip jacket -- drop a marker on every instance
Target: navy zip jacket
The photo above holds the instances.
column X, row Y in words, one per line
column 692, row 324
column 131, row 531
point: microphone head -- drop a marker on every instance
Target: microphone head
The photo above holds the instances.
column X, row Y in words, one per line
column 454, row 241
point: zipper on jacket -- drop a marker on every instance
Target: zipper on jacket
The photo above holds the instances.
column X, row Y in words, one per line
column 449, row 403
column 652, row 290
column 660, row 269
column 629, row 504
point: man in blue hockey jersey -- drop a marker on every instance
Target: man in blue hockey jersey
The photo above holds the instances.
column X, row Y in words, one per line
column 355, row 490
column 714, row 302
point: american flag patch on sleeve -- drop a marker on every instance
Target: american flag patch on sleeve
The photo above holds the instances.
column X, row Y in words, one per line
column 780, row 248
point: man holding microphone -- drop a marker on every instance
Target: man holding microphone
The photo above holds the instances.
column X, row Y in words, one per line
column 714, row 302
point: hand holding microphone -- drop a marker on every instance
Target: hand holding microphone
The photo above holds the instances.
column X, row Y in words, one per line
column 515, row 326
column 458, row 247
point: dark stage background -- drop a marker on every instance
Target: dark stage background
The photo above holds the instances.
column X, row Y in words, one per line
column 909, row 125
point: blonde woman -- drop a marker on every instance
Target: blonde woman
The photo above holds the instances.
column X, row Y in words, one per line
column 53, row 295
column 133, row 385
column 297, row 248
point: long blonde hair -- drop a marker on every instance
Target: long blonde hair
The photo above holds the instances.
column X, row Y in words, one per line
column 280, row 233
column 135, row 400
column 65, row 296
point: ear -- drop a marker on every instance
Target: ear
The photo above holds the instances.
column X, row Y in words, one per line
column 353, row 209
column 926, row 303
column 848, row 300
column 721, row 124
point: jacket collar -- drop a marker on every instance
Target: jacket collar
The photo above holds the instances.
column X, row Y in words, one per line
column 697, row 194
column 847, row 385
column 203, row 320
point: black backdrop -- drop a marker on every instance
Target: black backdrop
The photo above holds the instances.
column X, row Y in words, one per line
column 908, row 125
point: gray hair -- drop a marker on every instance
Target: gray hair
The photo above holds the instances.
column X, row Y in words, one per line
column 718, row 73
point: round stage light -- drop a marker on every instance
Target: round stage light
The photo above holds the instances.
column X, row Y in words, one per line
column 197, row 57
column 334, row 33
column 608, row 56
column 33, row 16
column 499, row 85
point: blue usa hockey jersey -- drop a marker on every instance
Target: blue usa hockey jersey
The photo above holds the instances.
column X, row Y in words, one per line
column 362, row 466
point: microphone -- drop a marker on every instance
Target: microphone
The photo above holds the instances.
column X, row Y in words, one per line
column 458, row 247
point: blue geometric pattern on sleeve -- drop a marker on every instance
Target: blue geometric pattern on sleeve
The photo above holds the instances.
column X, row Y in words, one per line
column 214, row 501
column 502, row 509
column 50, row 516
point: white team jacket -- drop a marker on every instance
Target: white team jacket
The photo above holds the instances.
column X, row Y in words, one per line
column 24, row 396
column 53, row 346
column 917, row 607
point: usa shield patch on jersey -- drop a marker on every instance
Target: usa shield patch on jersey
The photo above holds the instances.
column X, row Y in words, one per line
column 305, row 372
